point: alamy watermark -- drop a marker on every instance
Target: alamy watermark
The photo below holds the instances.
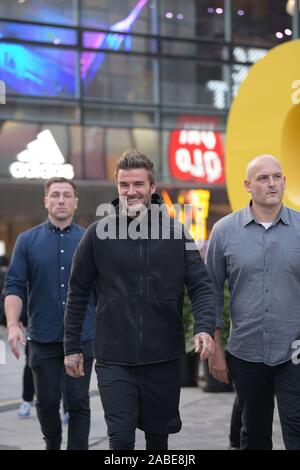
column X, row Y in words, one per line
column 296, row 94
column 296, row 352
column 2, row 353
column 2, row 92
column 158, row 223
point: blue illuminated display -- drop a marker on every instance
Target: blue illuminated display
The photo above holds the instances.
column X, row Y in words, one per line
column 28, row 32
column 37, row 71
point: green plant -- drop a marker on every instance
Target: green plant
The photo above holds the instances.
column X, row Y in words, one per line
column 188, row 321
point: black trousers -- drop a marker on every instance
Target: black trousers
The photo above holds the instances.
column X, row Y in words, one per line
column 28, row 386
column 257, row 384
column 236, row 424
column 47, row 363
column 144, row 397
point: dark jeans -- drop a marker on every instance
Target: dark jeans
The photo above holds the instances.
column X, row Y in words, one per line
column 47, row 363
column 236, row 424
column 145, row 397
column 28, row 386
column 256, row 385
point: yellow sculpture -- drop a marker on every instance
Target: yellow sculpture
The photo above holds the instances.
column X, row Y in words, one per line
column 265, row 118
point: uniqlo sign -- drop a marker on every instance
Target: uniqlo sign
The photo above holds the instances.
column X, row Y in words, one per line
column 197, row 156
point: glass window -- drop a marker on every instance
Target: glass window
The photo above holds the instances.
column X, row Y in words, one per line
column 187, row 120
column 76, row 150
column 261, row 22
column 104, row 146
column 191, row 83
column 54, row 11
column 117, row 140
column 94, row 161
column 200, row 50
column 115, row 115
column 10, row 146
column 117, row 77
column 38, row 33
column 117, row 15
column 147, row 141
column 37, row 71
column 192, row 18
column 25, row 109
column 117, row 42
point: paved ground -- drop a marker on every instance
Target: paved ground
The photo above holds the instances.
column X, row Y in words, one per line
column 205, row 416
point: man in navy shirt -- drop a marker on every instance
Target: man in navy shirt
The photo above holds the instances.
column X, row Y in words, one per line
column 41, row 263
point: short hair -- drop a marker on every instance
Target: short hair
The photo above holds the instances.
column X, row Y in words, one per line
column 58, row 179
column 132, row 159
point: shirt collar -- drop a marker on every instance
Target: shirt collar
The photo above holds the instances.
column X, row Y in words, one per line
column 248, row 215
column 54, row 228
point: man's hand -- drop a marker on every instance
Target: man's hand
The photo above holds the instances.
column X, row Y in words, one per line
column 74, row 365
column 217, row 366
column 204, row 344
column 15, row 338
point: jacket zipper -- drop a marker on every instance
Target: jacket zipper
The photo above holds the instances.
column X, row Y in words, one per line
column 141, row 293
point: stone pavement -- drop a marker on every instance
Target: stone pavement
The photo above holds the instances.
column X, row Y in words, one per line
column 205, row 417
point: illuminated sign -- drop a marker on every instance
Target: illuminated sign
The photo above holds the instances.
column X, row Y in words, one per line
column 191, row 210
column 41, row 159
column 25, row 69
column 197, row 156
column 220, row 88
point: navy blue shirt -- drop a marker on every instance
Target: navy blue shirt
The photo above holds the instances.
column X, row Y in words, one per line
column 42, row 260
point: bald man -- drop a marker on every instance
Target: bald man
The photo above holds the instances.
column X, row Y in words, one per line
column 257, row 250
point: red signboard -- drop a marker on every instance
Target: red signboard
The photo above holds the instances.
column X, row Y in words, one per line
column 197, row 156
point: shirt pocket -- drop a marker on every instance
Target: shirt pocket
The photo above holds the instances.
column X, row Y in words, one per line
column 243, row 259
column 292, row 261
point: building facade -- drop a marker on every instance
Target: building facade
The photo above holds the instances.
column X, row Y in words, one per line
column 82, row 80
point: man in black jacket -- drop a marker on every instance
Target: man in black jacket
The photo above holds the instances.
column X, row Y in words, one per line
column 141, row 260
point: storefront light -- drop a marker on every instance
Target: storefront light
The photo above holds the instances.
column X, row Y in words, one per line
column 41, row 159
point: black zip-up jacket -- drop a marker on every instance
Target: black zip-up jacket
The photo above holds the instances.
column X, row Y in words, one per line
column 140, row 287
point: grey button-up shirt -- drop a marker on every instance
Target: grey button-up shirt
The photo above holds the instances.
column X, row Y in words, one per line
column 263, row 270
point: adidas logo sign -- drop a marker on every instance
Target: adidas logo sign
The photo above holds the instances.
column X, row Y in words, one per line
column 41, row 159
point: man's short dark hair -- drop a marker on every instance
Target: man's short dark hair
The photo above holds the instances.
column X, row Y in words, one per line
column 58, row 179
column 132, row 159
